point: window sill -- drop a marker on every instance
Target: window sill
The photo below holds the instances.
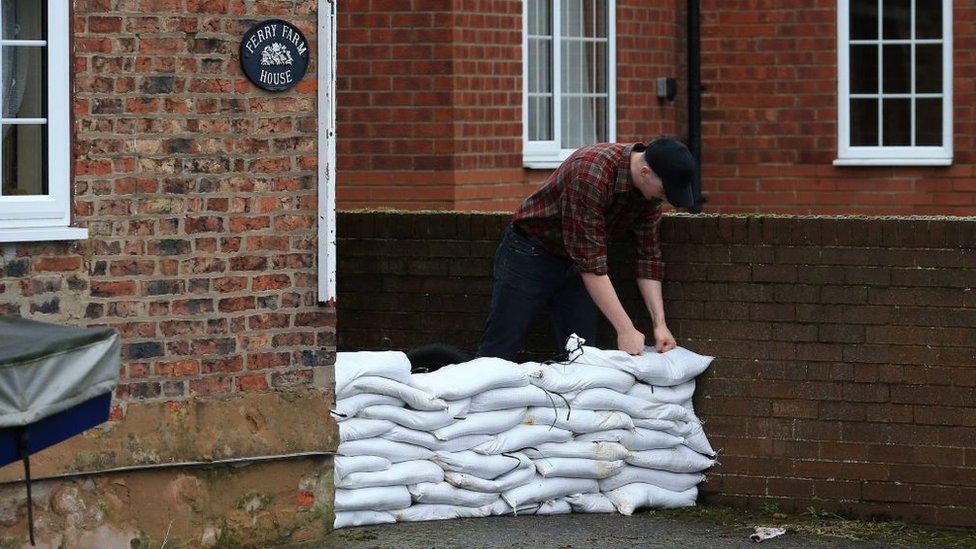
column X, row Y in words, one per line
column 893, row 162
column 43, row 234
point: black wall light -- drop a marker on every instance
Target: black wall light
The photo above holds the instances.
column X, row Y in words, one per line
column 667, row 88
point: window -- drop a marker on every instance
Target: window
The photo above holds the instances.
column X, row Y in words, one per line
column 35, row 163
column 568, row 84
column 895, row 82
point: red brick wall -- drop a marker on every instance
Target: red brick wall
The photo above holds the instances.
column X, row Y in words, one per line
column 845, row 376
column 199, row 192
column 770, row 118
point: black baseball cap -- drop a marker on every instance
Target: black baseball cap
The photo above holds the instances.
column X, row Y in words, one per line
column 673, row 163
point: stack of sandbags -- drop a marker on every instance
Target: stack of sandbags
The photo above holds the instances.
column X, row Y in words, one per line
column 600, row 432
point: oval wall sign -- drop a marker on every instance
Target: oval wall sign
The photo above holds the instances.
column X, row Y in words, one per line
column 274, row 55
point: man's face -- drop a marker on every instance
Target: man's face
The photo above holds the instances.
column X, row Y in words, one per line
column 649, row 183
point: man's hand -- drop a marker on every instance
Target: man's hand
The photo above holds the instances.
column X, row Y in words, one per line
column 663, row 340
column 630, row 342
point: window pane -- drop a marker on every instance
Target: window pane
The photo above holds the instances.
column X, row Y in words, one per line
column 571, row 18
column 928, row 18
column 897, row 19
column 24, row 81
column 864, row 122
column 24, row 19
column 540, row 119
column 896, row 120
column 579, row 121
column 897, row 59
column 600, row 117
column 928, row 122
column 24, row 159
column 540, row 18
column 864, row 19
column 864, row 69
column 596, row 57
column 928, row 68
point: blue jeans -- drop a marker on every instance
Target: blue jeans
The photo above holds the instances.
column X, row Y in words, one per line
column 528, row 279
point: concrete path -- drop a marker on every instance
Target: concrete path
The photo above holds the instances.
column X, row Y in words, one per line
column 571, row 532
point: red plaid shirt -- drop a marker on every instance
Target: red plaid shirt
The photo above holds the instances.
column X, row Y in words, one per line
column 590, row 196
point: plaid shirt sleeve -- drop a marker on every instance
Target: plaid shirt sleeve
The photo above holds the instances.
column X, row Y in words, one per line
column 646, row 231
column 583, row 204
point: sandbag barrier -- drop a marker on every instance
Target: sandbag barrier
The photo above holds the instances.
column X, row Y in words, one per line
column 602, row 432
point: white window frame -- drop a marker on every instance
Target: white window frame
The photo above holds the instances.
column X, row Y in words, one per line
column 39, row 218
column 549, row 154
column 848, row 155
column 326, row 113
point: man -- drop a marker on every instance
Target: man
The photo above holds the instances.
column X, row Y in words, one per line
column 553, row 255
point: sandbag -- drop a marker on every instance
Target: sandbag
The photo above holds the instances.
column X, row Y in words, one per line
column 523, row 436
column 577, row 467
column 463, row 380
column 380, row 498
column 482, row 423
column 676, row 482
column 555, row 507
column 344, row 465
column 697, row 441
column 578, row 421
column 542, row 489
column 667, row 369
column 445, row 493
column 639, row 439
column 481, row 466
column 678, row 394
column 351, row 406
column 350, row 366
column 424, row 511
column 563, row 378
column 607, row 451
column 429, row 441
column 500, row 508
column 359, row 428
column 413, row 397
column 521, row 475
column 591, row 503
column 605, row 399
column 691, row 431
column 406, row 472
column 635, row 496
column 519, row 397
column 679, row 459
column 346, row 519
column 396, row 452
column 411, row 419
column 666, row 425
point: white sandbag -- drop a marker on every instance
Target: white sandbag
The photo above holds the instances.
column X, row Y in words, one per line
column 563, row 378
column 396, row 452
column 555, row 507
column 406, row 472
column 459, row 408
column 520, row 476
column 351, row 406
column 605, row 399
column 429, row 441
column 667, row 425
column 482, row 423
column 500, row 508
column 629, row 498
column 523, row 436
column 444, row 493
column 667, row 369
column 691, row 431
column 350, row 366
column 591, row 503
column 542, row 489
column 463, row 380
column 577, row 467
column 344, row 465
column 578, row 421
column 697, row 441
column 678, row 394
column 359, row 428
column 676, row 482
column 424, row 511
column 481, row 466
column 519, row 397
column 413, row 397
column 346, row 519
column 411, row 419
column 639, row 439
column 607, row 451
column 380, row 498
column 679, row 459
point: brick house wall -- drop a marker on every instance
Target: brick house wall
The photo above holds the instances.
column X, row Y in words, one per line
column 199, row 193
column 845, row 376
